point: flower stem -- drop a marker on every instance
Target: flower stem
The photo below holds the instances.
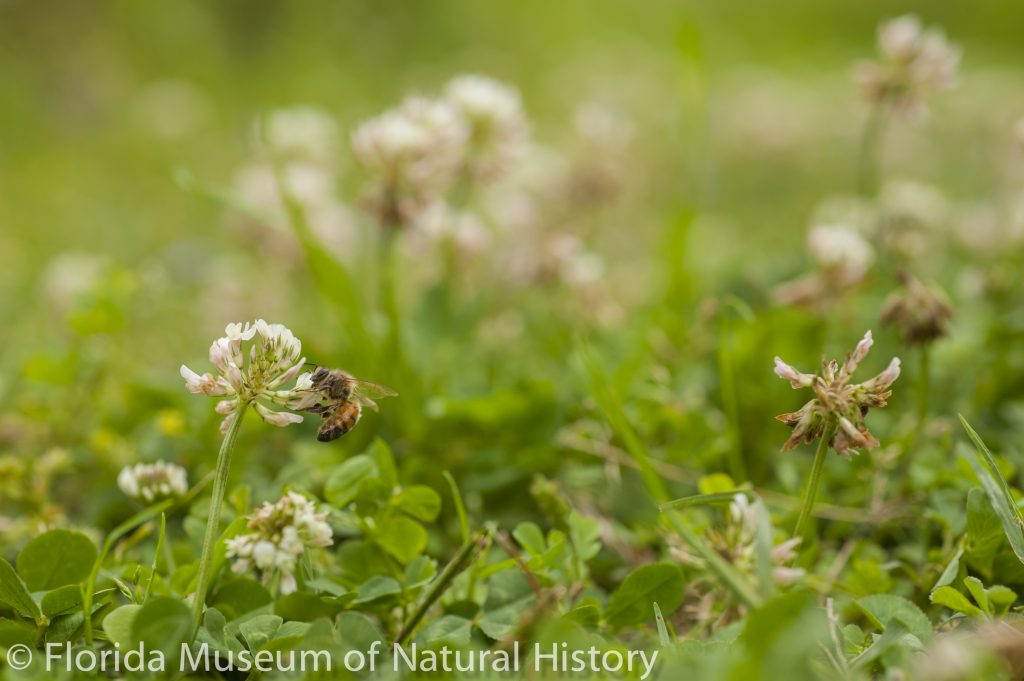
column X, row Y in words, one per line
column 213, row 520
column 869, row 160
column 913, row 440
column 923, row 387
column 815, row 479
column 389, row 296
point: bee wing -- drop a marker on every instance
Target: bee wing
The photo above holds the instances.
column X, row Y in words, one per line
column 366, row 402
column 371, row 391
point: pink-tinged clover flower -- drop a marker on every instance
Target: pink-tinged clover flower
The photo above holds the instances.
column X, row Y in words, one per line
column 254, row 362
column 838, row 401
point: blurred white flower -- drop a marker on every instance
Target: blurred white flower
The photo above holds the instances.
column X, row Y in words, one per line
column 71, row 275
column 280, row 533
column 910, row 215
column 602, row 139
column 914, row 63
column 497, row 125
column 151, row 482
column 840, row 251
column 463, row 229
column 301, row 132
column 330, row 220
column 412, row 154
column 273, row 359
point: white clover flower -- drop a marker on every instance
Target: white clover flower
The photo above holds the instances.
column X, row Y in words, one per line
column 281, row 533
column 413, row 153
column 840, row 252
column 273, row 359
column 302, row 132
column 914, row 63
column 498, row 128
column 151, row 482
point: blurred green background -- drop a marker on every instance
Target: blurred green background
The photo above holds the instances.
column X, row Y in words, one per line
column 102, row 101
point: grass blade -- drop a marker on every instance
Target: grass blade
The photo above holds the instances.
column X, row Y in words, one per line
column 714, row 499
column 993, row 468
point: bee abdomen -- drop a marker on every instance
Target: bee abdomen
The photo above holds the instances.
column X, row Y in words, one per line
column 340, row 422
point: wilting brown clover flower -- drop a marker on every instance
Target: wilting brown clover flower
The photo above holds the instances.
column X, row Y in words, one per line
column 919, row 311
column 839, row 406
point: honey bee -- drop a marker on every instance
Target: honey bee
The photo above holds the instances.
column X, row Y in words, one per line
column 340, row 402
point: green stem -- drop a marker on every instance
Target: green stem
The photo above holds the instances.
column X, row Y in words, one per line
column 913, row 440
column 220, row 480
column 457, row 564
column 388, row 295
column 923, row 387
column 815, row 479
column 727, row 389
column 869, row 160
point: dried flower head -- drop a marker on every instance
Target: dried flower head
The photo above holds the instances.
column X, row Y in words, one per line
column 497, row 126
column 280, row 533
column 151, row 482
column 255, row 377
column 919, row 311
column 914, row 62
column 839, row 406
column 413, row 153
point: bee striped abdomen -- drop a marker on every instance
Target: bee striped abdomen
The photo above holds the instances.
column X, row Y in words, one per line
column 339, row 421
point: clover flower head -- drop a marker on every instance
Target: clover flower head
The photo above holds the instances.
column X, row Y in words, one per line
column 412, row 153
column 497, row 125
column 151, row 482
column 737, row 543
column 914, row 62
column 919, row 311
column 839, row 405
column 300, row 133
column 843, row 255
column 254, row 361
column 281, row 532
